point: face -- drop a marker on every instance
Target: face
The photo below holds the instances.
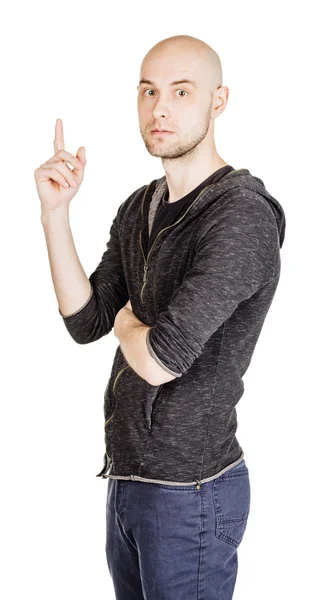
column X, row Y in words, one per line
column 183, row 108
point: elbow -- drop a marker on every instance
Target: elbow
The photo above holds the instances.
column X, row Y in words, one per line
column 81, row 340
column 91, row 322
column 87, row 332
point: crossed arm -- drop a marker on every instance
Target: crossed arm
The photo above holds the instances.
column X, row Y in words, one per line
column 235, row 257
column 131, row 333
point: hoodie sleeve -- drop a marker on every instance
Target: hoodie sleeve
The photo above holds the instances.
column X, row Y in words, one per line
column 107, row 296
column 234, row 257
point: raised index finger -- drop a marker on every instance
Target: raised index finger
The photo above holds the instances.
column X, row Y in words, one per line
column 59, row 143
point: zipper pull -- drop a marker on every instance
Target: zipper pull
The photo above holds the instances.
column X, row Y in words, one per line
column 145, row 273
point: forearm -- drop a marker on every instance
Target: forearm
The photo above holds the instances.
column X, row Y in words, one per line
column 72, row 287
column 131, row 333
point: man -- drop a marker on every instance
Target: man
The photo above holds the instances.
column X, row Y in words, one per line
column 187, row 278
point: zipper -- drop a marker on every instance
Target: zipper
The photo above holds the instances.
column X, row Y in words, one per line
column 146, row 259
column 113, row 390
column 107, row 458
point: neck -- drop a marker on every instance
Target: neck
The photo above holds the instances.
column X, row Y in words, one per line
column 184, row 177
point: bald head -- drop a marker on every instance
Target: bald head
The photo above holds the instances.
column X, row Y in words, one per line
column 190, row 53
column 180, row 90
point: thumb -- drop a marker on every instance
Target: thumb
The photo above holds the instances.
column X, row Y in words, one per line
column 81, row 155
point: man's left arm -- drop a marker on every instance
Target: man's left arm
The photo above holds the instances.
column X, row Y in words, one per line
column 131, row 333
column 237, row 255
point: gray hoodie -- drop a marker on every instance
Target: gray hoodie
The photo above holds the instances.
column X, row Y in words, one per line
column 204, row 289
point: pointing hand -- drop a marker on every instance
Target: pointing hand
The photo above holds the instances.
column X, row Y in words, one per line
column 56, row 182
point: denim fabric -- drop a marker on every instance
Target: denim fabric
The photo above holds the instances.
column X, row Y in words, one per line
column 167, row 542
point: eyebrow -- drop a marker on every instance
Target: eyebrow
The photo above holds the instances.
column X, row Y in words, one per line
column 191, row 81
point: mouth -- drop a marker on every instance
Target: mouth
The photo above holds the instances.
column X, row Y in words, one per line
column 161, row 132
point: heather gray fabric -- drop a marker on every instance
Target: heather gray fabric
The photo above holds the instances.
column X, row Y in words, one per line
column 167, row 212
column 205, row 290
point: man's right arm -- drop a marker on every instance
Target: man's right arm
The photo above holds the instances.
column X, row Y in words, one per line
column 88, row 306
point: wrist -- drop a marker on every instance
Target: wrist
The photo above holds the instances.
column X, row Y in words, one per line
column 59, row 213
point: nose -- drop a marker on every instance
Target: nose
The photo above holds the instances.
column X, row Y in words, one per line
column 160, row 109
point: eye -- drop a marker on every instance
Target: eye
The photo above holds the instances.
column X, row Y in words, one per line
column 149, row 90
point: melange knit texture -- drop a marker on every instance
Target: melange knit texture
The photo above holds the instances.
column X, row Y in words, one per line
column 204, row 288
column 163, row 213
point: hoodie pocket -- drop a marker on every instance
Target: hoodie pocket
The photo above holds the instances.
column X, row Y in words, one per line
column 110, row 407
column 231, row 494
column 153, row 407
column 110, row 401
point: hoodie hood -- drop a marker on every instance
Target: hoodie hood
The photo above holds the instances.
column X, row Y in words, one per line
column 233, row 179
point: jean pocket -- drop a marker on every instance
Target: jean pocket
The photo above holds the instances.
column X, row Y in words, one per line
column 231, row 495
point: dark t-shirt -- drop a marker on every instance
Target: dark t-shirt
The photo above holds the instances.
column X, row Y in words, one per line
column 168, row 212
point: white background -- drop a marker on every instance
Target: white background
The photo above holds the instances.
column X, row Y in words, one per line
column 80, row 61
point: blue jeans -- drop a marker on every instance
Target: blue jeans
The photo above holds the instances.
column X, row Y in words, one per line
column 166, row 542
